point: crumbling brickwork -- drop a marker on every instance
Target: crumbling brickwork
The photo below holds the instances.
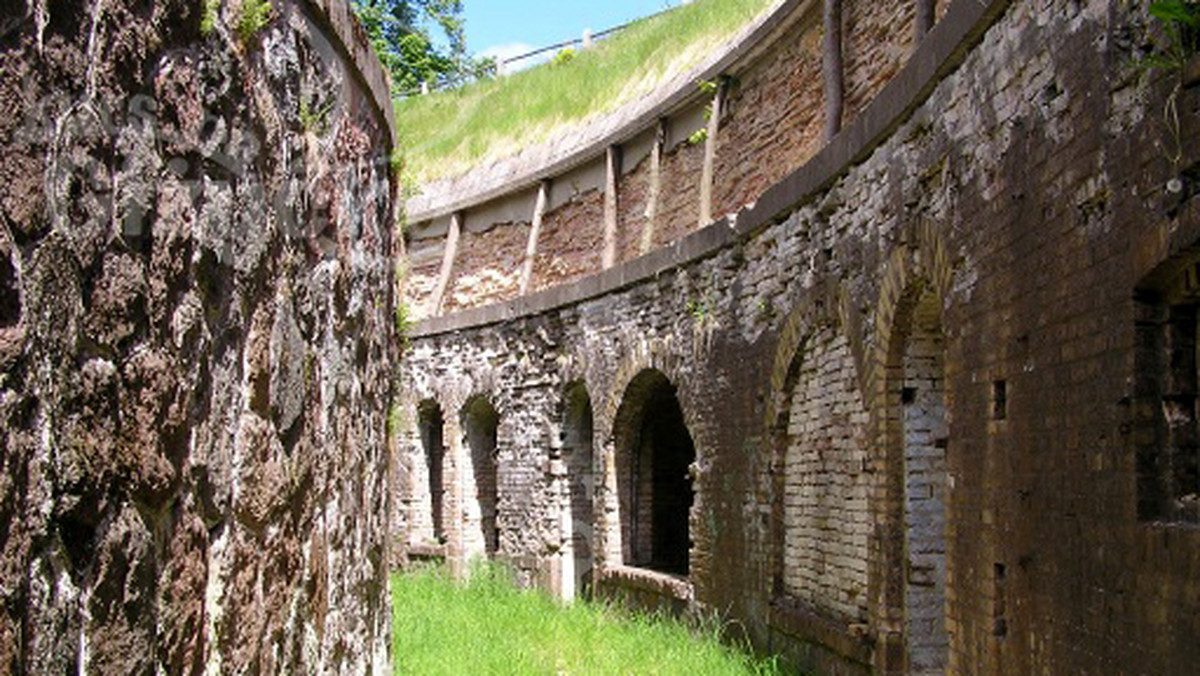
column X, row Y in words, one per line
column 196, row 341
column 993, row 265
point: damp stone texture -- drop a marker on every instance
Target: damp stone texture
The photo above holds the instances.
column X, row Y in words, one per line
column 197, row 340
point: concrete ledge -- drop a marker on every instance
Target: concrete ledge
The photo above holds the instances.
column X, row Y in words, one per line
column 795, row 619
column 340, row 21
column 942, row 51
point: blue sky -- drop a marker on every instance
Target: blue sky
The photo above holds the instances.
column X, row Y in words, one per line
column 509, row 27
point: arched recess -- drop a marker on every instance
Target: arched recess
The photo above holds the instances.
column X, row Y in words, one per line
column 909, row 401
column 432, row 491
column 578, row 451
column 654, row 454
column 821, row 522
column 480, row 425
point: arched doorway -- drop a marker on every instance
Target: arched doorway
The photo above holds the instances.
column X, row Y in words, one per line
column 430, row 426
column 654, row 455
column 481, row 425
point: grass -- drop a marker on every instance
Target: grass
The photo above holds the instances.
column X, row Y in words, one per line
column 487, row 627
column 448, row 132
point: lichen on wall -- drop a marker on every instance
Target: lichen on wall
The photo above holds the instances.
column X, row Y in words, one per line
column 195, row 343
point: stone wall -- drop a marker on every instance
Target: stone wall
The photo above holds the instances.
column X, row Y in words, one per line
column 197, row 341
column 996, row 254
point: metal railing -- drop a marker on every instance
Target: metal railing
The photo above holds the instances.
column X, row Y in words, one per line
column 505, row 66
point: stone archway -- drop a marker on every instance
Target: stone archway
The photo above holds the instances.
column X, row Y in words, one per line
column 909, row 400
column 654, row 454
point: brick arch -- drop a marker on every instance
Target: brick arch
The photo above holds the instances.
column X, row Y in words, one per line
column 654, row 455
column 917, row 280
column 653, row 353
column 800, row 469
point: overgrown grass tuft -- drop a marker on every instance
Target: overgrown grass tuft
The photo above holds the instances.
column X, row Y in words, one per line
column 447, row 132
column 488, row 627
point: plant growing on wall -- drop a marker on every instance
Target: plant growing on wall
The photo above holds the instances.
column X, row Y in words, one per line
column 1180, row 22
column 255, row 16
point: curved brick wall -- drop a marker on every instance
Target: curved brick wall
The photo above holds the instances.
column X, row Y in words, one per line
column 197, row 340
column 937, row 376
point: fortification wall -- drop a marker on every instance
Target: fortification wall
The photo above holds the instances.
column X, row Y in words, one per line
column 925, row 376
column 197, row 340
column 772, row 121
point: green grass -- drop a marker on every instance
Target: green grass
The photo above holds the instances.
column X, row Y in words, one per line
column 488, row 627
column 447, row 132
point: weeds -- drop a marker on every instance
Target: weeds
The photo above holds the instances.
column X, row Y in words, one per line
column 208, row 20
column 254, row 17
column 314, row 120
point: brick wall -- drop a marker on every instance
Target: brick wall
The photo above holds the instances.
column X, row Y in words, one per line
column 1004, row 229
column 774, row 120
column 825, row 519
column 487, row 268
column 571, row 242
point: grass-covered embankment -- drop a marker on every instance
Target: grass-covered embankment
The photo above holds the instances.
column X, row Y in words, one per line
column 487, row 627
column 447, row 132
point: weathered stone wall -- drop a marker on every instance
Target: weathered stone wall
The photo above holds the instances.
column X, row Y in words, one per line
column 197, row 343
column 982, row 258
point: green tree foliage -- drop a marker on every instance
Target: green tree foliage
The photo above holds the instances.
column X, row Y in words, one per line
column 399, row 32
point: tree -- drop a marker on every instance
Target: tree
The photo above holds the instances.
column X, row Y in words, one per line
column 399, row 32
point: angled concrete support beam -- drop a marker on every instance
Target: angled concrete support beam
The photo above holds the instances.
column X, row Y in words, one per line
column 710, row 155
column 535, row 231
column 448, row 256
column 832, row 68
column 652, row 192
column 924, row 20
column 613, row 170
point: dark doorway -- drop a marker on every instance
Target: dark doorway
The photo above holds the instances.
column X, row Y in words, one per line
column 431, row 425
column 655, row 452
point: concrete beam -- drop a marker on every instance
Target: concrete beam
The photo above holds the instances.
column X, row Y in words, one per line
column 447, row 269
column 655, row 188
column 612, row 164
column 535, row 232
column 710, row 155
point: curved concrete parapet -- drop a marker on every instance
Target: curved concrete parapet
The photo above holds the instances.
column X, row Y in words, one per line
column 196, row 339
column 621, row 184
column 936, row 380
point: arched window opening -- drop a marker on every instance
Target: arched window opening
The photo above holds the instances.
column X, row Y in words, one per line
column 655, row 453
column 481, row 424
column 430, row 426
column 578, row 455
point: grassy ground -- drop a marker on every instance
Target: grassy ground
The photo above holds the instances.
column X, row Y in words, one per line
column 487, row 628
column 447, row 132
